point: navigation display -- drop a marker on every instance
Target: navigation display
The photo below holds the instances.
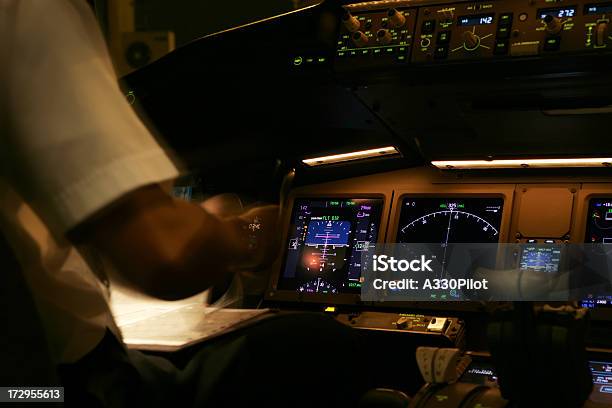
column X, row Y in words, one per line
column 599, row 231
column 449, row 220
column 327, row 238
column 599, row 221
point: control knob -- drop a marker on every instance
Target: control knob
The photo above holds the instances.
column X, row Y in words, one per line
column 470, row 40
column 384, row 36
column 351, row 22
column 553, row 24
column 600, row 34
column 396, row 19
column 360, row 39
column 403, row 323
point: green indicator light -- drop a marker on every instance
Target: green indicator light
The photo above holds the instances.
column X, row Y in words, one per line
column 334, row 203
column 297, row 61
column 350, row 203
column 131, row 97
column 443, row 206
column 461, row 206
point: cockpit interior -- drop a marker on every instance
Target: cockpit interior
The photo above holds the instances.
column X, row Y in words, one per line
column 444, row 183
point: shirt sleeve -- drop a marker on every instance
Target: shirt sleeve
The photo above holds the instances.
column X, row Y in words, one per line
column 74, row 143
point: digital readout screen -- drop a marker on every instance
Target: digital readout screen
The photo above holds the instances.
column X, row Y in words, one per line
column 476, row 19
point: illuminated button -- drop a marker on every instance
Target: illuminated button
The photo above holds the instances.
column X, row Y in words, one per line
column 429, row 26
column 310, row 60
column 503, row 33
column 321, row 60
column 390, row 50
column 552, row 44
column 443, row 37
column 401, row 58
column 377, row 51
column 501, row 48
column 342, row 54
column 441, row 52
column 365, row 53
column 505, row 20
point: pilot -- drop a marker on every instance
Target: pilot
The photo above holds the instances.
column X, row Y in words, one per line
column 79, row 170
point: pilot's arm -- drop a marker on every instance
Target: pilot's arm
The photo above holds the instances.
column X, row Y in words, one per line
column 79, row 155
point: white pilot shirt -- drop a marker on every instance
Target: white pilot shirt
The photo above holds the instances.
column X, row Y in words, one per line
column 70, row 144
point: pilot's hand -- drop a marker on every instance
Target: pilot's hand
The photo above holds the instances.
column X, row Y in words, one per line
column 261, row 229
column 258, row 229
column 223, row 205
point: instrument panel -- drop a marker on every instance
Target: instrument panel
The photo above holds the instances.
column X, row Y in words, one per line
column 398, row 32
column 332, row 225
